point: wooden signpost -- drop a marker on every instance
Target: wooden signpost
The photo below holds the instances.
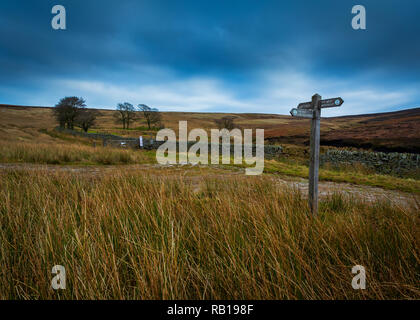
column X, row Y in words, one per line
column 312, row 110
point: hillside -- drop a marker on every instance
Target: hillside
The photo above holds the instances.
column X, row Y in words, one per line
column 393, row 131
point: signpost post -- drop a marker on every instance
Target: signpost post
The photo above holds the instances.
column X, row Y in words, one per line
column 312, row 110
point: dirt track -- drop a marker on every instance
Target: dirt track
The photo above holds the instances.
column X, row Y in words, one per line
column 325, row 187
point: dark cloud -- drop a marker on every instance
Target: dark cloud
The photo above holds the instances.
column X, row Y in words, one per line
column 127, row 42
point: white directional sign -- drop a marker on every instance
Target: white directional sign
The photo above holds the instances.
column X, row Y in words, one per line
column 326, row 103
column 302, row 113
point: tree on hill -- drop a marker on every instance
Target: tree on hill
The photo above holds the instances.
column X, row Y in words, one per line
column 227, row 122
column 86, row 118
column 67, row 110
column 151, row 115
column 125, row 114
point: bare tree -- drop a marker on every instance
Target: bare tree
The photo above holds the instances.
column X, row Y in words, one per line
column 125, row 114
column 226, row 122
column 67, row 109
column 120, row 114
column 86, row 118
column 151, row 115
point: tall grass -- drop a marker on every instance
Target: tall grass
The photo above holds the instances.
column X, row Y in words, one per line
column 135, row 236
column 69, row 154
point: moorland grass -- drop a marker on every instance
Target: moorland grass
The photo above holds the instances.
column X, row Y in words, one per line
column 77, row 151
column 62, row 153
column 136, row 236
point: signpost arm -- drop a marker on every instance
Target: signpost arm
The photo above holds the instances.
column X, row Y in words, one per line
column 314, row 154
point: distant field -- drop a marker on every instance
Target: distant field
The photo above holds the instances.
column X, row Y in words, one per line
column 396, row 131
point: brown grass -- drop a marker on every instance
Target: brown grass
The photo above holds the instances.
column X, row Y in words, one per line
column 62, row 153
column 135, row 236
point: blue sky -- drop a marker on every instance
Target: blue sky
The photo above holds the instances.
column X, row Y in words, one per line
column 212, row 56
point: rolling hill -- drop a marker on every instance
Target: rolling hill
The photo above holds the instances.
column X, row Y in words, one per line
column 393, row 131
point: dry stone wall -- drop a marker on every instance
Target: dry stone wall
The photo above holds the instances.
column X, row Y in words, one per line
column 270, row 151
column 382, row 162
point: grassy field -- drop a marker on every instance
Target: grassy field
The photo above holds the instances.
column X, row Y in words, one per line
column 127, row 228
column 137, row 236
column 83, row 153
column 27, row 136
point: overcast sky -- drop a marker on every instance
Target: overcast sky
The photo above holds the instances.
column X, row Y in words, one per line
column 212, row 56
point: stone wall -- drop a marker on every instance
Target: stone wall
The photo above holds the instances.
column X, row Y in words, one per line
column 270, row 151
column 399, row 163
